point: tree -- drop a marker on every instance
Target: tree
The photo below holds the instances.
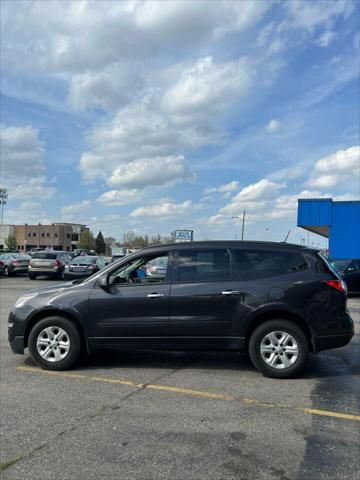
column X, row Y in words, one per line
column 100, row 244
column 11, row 242
column 109, row 242
column 87, row 240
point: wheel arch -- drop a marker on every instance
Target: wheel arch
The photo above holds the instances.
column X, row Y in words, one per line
column 58, row 313
column 283, row 315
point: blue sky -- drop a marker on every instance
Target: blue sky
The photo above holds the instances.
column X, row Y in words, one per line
column 162, row 115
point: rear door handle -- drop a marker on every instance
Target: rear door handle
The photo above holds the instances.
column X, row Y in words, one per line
column 230, row 292
column 155, row 295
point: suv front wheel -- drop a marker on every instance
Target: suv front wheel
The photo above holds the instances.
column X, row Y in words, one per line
column 279, row 349
column 55, row 343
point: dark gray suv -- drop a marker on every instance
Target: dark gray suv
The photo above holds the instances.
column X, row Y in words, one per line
column 277, row 301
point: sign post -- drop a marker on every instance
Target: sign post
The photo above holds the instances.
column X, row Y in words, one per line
column 184, row 236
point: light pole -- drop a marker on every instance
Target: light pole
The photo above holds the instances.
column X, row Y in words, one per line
column 3, row 201
column 243, row 224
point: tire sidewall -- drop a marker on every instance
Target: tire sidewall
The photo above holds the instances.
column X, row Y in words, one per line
column 75, row 343
column 285, row 326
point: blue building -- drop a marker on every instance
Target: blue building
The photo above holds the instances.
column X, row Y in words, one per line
column 337, row 221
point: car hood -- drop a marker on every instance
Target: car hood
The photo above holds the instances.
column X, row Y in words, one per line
column 56, row 288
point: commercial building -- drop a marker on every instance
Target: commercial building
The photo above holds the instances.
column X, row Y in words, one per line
column 337, row 221
column 59, row 236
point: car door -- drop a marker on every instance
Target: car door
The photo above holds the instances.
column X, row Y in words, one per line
column 205, row 300
column 134, row 309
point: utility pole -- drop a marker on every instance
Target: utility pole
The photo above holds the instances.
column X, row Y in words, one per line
column 3, row 201
column 243, row 224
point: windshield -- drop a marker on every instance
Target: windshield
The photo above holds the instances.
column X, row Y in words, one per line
column 83, row 260
column 44, row 255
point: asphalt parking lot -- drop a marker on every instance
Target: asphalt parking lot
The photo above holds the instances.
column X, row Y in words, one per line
column 162, row 415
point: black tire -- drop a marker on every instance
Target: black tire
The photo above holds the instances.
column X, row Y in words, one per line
column 279, row 326
column 32, row 276
column 75, row 343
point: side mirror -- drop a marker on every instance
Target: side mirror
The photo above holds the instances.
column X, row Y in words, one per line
column 103, row 282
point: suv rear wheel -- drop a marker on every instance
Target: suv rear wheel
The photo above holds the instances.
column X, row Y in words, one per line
column 55, row 343
column 279, row 349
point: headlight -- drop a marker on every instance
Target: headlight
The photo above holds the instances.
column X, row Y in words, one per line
column 20, row 302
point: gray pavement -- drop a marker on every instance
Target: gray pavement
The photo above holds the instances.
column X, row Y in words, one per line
column 155, row 415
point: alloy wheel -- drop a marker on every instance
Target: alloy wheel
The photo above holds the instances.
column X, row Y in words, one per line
column 53, row 344
column 279, row 349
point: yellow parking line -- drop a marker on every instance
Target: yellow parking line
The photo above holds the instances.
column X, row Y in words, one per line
column 189, row 391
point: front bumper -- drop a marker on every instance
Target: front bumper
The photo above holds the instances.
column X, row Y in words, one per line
column 17, row 342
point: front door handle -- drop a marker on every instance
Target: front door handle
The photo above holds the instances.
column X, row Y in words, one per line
column 155, row 295
column 230, row 292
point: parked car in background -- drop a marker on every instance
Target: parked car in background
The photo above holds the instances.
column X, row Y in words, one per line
column 15, row 263
column 34, row 250
column 83, row 251
column 2, row 267
column 157, row 268
column 49, row 263
column 115, row 258
column 277, row 301
column 350, row 272
column 83, row 266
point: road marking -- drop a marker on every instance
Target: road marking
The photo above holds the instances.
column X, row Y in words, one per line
column 189, row 391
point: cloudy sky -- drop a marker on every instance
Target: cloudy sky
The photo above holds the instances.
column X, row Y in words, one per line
column 161, row 115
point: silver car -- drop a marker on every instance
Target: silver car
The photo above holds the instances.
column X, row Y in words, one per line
column 49, row 263
column 14, row 263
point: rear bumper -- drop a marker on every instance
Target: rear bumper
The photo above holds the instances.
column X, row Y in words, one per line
column 335, row 340
column 44, row 271
column 332, row 341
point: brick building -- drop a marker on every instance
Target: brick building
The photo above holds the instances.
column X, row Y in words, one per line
column 60, row 236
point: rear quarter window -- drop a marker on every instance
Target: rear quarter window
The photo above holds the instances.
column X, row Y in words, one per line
column 256, row 264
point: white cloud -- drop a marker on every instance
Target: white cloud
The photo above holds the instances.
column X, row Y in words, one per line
column 207, row 87
column 107, row 89
column 21, row 151
column 273, row 126
column 308, row 15
column 115, row 198
column 155, row 171
column 337, row 168
column 164, row 210
column 252, row 197
column 30, row 188
column 226, row 188
column 78, row 36
column 160, row 126
column 76, row 208
column 325, row 38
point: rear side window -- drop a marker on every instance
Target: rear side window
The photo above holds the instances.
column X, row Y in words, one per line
column 45, row 255
column 254, row 264
column 204, row 265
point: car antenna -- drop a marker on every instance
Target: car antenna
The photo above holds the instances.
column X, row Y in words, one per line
column 287, row 236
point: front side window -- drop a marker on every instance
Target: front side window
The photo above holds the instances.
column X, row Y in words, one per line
column 142, row 271
column 255, row 264
column 204, row 265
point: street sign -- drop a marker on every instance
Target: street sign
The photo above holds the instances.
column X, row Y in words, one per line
column 184, row 236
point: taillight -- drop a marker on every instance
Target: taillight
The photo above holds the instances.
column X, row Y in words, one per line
column 339, row 285
column 57, row 263
column 2, row 263
column 15, row 262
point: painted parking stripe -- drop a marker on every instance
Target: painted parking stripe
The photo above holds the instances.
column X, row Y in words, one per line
column 191, row 392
